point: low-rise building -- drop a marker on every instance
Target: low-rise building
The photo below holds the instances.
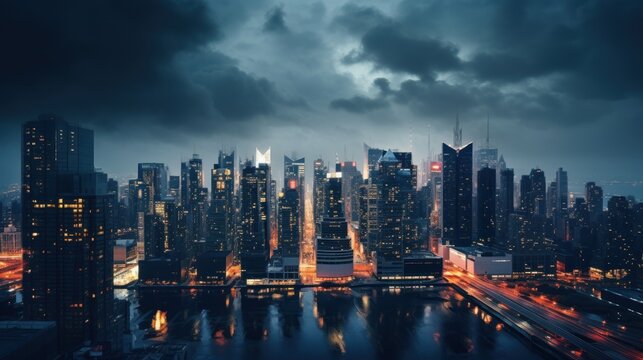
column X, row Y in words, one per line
column 483, row 261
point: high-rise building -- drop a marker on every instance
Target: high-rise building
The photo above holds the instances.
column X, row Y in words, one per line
column 67, row 232
column 255, row 223
column 194, row 198
column 486, row 206
column 289, row 220
column 457, row 194
column 319, row 179
column 174, row 187
column 351, row 181
column 222, row 209
column 560, row 214
column 505, row 205
column 155, row 176
column 295, row 169
column 617, row 259
column 538, row 192
column 334, row 255
column 594, row 199
column 371, row 156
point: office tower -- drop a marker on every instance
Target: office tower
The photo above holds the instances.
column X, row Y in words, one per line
column 618, row 260
column 255, row 232
column 486, row 156
column 457, row 133
column 397, row 228
column 505, row 205
column 457, row 194
column 67, row 232
column 526, row 204
column 486, row 206
column 295, row 169
column 334, row 255
column 594, row 199
column 371, row 156
column 435, row 176
column 351, row 181
column 222, row 209
column 289, row 234
column 560, row 213
column 319, row 179
column 538, row 192
column 194, row 198
column 174, row 186
column 155, row 176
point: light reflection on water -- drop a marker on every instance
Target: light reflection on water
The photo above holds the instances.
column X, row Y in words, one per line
column 376, row 323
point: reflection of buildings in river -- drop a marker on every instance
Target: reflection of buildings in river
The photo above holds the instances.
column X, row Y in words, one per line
column 254, row 314
column 391, row 319
column 332, row 310
column 455, row 336
column 217, row 319
column 290, row 307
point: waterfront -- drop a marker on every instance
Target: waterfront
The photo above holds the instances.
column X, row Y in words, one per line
column 373, row 323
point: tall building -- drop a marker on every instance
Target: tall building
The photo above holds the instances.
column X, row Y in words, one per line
column 560, row 213
column 255, row 223
column 155, row 176
column 222, row 210
column 289, row 220
column 538, row 192
column 67, row 233
column 334, row 255
column 505, row 205
column 295, row 170
column 319, row 179
column 351, row 181
column 594, row 200
column 371, row 156
column 486, row 206
column 397, row 231
column 457, row 193
column 194, row 198
column 618, row 259
column 174, row 187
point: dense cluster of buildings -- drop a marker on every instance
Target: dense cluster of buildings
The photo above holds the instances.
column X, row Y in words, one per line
column 462, row 206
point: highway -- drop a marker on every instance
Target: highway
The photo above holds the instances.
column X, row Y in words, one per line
column 593, row 343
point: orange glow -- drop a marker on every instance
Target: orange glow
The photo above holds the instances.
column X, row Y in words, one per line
column 292, row 184
column 159, row 322
column 436, row 166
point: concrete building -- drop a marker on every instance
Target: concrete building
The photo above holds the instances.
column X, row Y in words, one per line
column 482, row 261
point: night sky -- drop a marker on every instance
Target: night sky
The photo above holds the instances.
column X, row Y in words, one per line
column 561, row 81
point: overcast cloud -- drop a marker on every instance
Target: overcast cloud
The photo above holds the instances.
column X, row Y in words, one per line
column 562, row 81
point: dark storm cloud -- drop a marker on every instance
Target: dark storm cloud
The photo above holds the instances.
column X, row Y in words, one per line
column 359, row 104
column 275, row 20
column 388, row 47
column 358, row 19
column 109, row 62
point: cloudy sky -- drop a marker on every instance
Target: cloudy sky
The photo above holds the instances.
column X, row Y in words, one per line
column 562, row 81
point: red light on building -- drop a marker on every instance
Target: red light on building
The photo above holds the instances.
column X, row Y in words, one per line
column 436, row 166
column 292, row 184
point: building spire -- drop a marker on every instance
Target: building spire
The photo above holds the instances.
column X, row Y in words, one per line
column 488, row 143
column 457, row 132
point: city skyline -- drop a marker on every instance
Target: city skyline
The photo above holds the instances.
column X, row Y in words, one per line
column 343, row 178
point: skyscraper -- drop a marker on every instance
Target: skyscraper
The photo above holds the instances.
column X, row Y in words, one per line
column 194, row 198
column 618, row 260
column 295, row 169
column 371, row 156
column 505, row 205
column 255, row 224
column 67, row 232
column 334, row 255
column 222, row 209
column 594, row 199
column 486, row 206
column 289, row 220
column 319, row 179
column 457, row 194
column 155, row 176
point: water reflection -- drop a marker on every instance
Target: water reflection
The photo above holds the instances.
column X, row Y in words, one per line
column 378, row 323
